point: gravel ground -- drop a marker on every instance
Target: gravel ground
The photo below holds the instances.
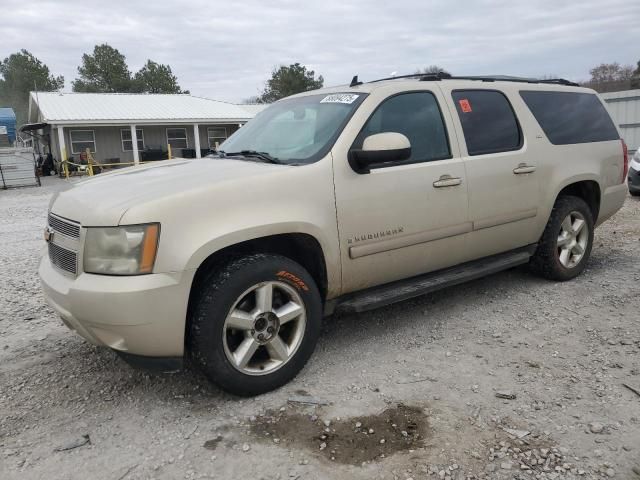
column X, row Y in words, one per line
column 510, row 376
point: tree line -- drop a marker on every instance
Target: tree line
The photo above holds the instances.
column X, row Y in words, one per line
column 105, row 70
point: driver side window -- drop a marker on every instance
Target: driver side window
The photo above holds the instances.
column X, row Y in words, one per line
column 415, row 115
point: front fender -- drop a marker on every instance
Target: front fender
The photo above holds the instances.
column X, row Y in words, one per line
column 331, row 259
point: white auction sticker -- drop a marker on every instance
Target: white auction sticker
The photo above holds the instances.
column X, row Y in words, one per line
column 340, row 98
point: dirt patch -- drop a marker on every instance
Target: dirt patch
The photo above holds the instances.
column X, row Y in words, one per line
column 352, row 440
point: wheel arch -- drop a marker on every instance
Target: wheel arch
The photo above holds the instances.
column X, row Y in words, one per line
column 587, row 189
column 302, row 248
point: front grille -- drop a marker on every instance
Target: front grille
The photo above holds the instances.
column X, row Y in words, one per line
column 64, row 227
column 63, row 259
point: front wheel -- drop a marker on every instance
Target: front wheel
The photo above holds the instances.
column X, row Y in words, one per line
column 255, row 323
column 566, row 243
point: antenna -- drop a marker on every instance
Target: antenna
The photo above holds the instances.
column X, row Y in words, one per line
column 355, row 82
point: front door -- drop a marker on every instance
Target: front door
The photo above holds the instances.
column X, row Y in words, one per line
column 403, row 218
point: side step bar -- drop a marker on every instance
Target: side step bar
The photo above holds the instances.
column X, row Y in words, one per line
column 387, row 294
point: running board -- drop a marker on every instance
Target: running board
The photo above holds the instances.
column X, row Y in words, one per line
column 387, row 294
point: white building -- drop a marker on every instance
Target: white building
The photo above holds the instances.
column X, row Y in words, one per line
column 625, row 110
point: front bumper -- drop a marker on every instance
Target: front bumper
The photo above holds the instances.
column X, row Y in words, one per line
column 141, row 315
column 633, row 180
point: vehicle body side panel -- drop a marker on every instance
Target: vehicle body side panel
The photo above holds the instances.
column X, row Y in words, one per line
column 200, row 222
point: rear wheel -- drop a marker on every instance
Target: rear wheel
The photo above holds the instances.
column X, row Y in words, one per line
column 255, row 323
column 567, row 240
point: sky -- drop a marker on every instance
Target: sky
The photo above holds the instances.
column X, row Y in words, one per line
column 227, row 50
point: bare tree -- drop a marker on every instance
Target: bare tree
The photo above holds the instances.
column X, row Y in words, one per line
column 610, row 77
column 432, row 69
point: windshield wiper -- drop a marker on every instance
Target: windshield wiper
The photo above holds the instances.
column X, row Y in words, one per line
column 252, row 154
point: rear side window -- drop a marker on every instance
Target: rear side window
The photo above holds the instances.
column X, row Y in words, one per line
column 417, row 116
column 488, row 121
column 570, row 117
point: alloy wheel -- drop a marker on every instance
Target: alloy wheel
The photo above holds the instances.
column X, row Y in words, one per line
column 572, row 239
column 264, row 328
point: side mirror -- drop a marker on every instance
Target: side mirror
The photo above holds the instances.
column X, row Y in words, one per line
column 379, row 149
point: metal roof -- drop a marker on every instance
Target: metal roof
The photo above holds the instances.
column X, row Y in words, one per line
column 117, row 108
column 254, row 108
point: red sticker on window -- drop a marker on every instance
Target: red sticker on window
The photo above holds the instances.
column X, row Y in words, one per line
column 465, row 105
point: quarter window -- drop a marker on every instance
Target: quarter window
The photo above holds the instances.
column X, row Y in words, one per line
column 216, row 135
column 177, row 137
column 418, row 117
column 570, row 117
column 81, row 140
column 488, row 121
column 127, row 144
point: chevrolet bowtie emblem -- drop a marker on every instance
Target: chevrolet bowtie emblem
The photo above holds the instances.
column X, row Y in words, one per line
column 48, row 234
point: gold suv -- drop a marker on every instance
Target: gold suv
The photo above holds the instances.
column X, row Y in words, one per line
column 343, row 198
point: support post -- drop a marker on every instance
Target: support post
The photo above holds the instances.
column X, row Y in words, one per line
column 196, row 137
column 63, row 151
column 61, row 144
column 134, row 140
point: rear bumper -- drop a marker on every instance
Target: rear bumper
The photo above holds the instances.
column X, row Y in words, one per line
column 139, row 315
column 611, row 201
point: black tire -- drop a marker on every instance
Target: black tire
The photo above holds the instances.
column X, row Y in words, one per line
column 635, row 194
column 217, row 296
column 546, row 260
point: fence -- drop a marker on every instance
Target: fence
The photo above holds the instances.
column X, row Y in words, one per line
column 17, row 168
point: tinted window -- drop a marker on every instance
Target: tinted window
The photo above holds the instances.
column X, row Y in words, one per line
column 488, row 121
column 418, row 117
column 570, row 117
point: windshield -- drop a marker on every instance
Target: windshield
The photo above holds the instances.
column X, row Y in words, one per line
column 296, row 130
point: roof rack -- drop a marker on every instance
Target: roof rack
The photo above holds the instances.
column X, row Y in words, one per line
column 427, row 77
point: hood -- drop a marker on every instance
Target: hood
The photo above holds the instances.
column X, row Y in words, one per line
column 104, row 199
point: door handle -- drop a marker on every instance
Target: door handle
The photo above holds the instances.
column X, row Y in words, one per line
column 447, row 181
column 524, row 168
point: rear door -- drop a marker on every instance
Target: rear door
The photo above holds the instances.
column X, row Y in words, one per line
column 502, row 171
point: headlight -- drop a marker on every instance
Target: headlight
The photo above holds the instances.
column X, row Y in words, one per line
column 128, row 250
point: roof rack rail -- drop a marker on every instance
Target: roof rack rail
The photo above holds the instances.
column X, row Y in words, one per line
column 413, row 75
column 427, row 77
column 560, row 81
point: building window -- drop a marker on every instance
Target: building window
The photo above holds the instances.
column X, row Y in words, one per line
column 177, row 137
column 81, row 140
column 127, row 144
column 216, row 135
